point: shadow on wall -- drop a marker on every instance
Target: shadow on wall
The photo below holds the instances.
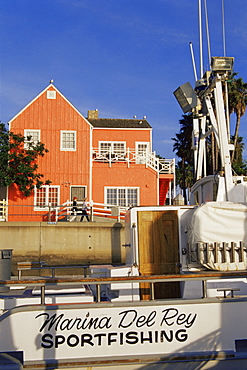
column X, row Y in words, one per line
column 116, row 245
column 65, row 243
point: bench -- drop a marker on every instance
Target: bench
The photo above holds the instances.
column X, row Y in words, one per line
column 22, row 266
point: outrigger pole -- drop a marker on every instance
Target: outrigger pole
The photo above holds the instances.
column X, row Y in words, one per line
column 207, row 31
column 193, row 60
column 200, row 36
column 223, row 28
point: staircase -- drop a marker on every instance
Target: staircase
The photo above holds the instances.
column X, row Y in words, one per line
column 163, row 190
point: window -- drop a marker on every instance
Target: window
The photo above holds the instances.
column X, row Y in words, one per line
column 105, row 148
column 117, row 149
column 124, row 197
column 51, row 94
column 68, row 140
column 78, row 191
column 45, row 196
column 33, row 135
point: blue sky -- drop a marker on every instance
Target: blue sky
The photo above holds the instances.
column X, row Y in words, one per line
column 123, row 57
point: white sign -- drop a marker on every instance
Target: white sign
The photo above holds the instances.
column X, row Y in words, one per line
column 71, row 333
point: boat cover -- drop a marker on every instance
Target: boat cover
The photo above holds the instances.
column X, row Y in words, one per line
column 219, row 222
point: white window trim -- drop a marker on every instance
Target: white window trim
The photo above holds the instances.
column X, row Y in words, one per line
column 41, row 208
column 61, row 141
column 142, row 143
column 26, row 134
column 112, row 144
column 122, row 187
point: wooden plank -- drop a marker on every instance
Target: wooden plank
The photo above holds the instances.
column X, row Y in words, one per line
column 158, row 250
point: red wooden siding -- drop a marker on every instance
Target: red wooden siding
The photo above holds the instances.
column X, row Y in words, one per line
column 63, row 168
column 130, row 136
column 119, row 175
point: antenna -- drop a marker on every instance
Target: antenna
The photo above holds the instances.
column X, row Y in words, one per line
column 193, row 60
column 207, row 30
column 200, row 36
column 223, row 28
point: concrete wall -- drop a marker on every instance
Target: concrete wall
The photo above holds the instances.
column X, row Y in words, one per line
column 64, row 243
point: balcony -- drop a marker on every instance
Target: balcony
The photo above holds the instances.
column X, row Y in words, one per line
column 132, row 157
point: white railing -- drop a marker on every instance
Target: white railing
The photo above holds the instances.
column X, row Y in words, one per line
column 131, row 156
column 99, row 210
column 3, row 210
column 63, row 212
column 167, row 166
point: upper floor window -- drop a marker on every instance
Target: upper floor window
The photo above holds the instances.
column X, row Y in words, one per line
column 68, row 140
column 31, row 136
column 114, row 148
column 46, row 196
column 51, row 94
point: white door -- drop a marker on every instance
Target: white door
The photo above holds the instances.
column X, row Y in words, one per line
column 142, row 149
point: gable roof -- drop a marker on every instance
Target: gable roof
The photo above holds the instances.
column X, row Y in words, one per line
column 119, row 123
column 42, row 92
column 95, row 122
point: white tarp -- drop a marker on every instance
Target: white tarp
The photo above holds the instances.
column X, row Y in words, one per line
column 218, row 222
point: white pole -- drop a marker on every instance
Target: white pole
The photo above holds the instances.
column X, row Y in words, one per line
column 174, row 178
column 200, row 36
column 207, row 29
column 193, row 60
column 223, row 28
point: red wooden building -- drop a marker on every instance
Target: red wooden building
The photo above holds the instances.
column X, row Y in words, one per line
column 108, row 161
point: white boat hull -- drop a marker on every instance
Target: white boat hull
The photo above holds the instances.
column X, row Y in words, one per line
column 106, row 333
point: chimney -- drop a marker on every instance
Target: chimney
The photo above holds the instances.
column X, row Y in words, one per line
column 93, row 114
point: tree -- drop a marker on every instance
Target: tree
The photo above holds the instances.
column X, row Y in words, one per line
column 184, row 177
column 239, row 165
column 183, row 149
column 237, row 92
column 18, row 161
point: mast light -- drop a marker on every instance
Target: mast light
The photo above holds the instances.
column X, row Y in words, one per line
column 222, row 64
